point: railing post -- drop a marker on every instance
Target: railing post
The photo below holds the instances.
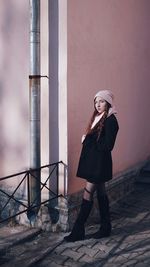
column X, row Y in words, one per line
column 28, row 189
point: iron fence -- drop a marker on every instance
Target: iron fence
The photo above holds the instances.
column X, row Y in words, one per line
column 10, row 202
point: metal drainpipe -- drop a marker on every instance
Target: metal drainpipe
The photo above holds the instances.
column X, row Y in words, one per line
column 34, row 87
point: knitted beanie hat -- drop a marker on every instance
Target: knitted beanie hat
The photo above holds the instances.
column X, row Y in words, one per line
column 107, row 95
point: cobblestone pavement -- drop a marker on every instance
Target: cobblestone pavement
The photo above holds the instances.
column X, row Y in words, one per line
column 129, row 244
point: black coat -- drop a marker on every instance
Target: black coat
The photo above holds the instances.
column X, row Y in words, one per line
column 95, row 164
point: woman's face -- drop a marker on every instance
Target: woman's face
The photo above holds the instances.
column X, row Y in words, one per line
column 100, row 104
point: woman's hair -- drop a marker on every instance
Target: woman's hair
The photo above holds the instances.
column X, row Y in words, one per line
column 99, row 126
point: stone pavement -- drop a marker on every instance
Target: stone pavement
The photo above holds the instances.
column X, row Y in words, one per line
column 129, row 244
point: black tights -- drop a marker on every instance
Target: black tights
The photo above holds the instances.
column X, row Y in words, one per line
column 90, row 188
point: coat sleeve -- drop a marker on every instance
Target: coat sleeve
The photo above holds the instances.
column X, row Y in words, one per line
column 107, row 140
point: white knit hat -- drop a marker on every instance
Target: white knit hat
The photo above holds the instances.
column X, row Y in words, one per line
column 107, row 95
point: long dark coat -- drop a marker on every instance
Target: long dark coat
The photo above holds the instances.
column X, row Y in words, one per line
column 95, row 163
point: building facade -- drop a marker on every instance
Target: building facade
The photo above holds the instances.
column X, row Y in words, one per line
column 86, row 45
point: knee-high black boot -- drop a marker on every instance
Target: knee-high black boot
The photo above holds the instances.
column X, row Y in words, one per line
column 105, row 227
column 78, row 231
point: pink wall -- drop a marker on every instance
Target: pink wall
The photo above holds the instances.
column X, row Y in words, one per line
column 13, row 86
column 108, row 47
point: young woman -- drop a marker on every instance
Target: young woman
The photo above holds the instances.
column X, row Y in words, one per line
column 95, row 165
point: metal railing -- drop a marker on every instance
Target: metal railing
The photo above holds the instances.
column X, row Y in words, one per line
column 20, row 197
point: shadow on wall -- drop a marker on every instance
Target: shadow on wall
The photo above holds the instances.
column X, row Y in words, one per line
column 53, row 88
